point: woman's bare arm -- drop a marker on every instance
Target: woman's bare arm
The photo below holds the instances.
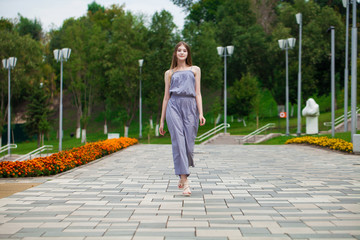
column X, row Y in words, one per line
column 198, row 95
column 165, row 101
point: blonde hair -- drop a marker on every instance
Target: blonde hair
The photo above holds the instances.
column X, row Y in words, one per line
column 174, row 61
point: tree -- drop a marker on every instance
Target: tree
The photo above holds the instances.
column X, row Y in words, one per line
column 31, row 27
column 38, row 113
column 161, row 41
column 25, row 72
column 125, row 48
column 94, row 7
column 243, row 95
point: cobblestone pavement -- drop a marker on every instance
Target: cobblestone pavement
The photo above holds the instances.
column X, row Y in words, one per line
column 239, row 192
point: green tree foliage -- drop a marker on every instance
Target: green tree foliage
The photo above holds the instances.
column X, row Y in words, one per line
column 38, row 112
column 94, row 7
column 126, row 47
column 31, row 27
column 244, row 91
column 5, row 24
column 29, row 58
column 161, row 40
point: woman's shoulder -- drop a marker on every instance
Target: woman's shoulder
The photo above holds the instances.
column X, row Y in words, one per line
column 195, row 69
column 168, row 73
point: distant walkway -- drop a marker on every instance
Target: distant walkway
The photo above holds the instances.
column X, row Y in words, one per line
column 239, row 192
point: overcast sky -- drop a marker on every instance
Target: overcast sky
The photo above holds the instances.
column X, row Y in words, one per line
column 52, row 13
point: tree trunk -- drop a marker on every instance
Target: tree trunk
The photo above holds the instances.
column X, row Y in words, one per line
column 78, row 124
column 157, row 130
column 38, row 139
column 83, row 136
column 151, row 123
column 105, row 127
column 0, row 141
column 126, row 131
column 257, row 121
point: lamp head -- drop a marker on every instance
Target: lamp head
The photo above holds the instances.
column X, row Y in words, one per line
column 65, row 52
column 299, row 18
column 291, row 42
column 57, row 55
column 12, row 62
column 141, row 61
column 230, row 50
column 282, row 43
column 220, row 50
column 345, row 3
column 5, row 63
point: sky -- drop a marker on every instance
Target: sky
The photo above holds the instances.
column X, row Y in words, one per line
column 52, row 13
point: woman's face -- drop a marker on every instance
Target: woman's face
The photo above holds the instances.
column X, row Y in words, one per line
column 181, row 53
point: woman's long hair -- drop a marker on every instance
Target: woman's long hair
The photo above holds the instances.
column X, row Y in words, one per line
column 174, row 61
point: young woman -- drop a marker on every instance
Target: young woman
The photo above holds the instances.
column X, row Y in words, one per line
column 182, row 106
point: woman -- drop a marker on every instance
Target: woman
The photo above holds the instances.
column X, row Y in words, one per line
column 182, row 106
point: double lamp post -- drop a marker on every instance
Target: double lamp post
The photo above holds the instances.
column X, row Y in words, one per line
column 61, row 55
column 224, row 52
column 9, row 64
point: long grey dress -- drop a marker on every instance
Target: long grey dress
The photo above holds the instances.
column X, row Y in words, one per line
column 182, row 117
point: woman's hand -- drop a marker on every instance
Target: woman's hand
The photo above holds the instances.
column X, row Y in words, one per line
column 202, row 120
column 161, row 129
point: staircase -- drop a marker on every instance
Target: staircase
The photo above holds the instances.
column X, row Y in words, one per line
column 10, row 158
column 340, row 127
column 227, row 139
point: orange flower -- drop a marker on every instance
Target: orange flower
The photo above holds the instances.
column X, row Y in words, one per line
column 64, row 160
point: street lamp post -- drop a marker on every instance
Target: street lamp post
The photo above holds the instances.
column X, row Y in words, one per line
column 332, row 29
column 9, row 64
column 299, row 21
column 141, row 61
column 286, row 44
column 61, row 55
column 353, row 72
column 346, row 4
column 225, row 51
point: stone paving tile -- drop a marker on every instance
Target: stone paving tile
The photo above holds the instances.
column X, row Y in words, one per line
column 243, row 192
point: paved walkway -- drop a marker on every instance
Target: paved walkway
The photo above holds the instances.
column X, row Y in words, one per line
column 239, row 192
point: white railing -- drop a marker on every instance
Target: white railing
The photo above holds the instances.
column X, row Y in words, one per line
column 340, row 119
column 6, row 148
column 211, row 132
column 257, row 131
column 35, row 152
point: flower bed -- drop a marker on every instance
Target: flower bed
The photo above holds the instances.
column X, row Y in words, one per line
column 64, row 160
column 332, row 143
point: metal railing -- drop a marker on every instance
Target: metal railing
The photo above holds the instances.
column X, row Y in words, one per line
column 211, row 132
column 257, row 131
column 35, row 152
column 6, row 148
column 340, row 119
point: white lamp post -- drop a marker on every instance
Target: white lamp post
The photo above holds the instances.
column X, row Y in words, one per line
column 9, row 64
column 286, row 44
column 141, row 61
column 299, row 21
column 61, row 55
column 224, row 52
column 353, row 72
column 346, row 4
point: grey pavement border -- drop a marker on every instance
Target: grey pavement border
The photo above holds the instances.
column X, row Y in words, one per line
column 239, row 192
